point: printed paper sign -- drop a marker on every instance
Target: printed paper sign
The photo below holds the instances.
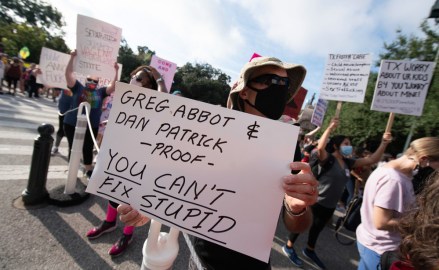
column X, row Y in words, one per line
column 97, row 44
column 165, row 68
column 346, row 77
column 402, row 86
column 319, row 112
column 211, row 172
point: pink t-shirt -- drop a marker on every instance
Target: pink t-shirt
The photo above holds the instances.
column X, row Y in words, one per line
column 389, row 189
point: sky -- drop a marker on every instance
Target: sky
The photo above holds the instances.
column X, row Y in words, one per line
column 226, row 33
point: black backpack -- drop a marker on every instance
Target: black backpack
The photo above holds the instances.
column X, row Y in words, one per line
column 350, row 220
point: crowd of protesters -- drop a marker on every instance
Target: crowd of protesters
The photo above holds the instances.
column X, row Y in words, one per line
column 396, row 190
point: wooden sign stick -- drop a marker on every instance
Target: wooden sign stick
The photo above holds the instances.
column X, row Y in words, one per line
column 338, row 110
column 390, row 122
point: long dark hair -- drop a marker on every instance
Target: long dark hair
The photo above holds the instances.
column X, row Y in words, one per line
column 335, row 140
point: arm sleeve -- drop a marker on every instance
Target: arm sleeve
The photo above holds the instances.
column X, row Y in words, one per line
column 389, row 194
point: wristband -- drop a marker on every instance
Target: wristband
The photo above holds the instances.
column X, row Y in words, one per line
column 159, row 80
column 291, row 213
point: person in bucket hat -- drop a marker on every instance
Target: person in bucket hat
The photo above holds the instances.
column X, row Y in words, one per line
column 265, row 86
column 267, row 101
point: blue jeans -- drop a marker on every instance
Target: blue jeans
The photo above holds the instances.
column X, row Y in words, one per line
column 369, row 259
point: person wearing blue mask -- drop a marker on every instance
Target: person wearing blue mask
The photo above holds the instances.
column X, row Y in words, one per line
column 332, row 182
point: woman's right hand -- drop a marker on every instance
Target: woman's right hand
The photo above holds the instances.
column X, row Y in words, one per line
column 130, row 216
column 334, row 124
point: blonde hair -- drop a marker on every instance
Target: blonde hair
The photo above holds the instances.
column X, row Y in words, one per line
column 427, row 146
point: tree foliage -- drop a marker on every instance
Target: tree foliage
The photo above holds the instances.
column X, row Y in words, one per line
column 202, row 82
column 365, row 127
column 32, row 12
column 130, row 61
column 31, row 23
column 16, row 36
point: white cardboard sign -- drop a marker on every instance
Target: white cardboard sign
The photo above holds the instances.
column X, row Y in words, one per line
column 97, row 45
column 211, row 172
column 319, row 112
column 345, row 77
column 402, row 86
column 53, row 65
column 165, row 68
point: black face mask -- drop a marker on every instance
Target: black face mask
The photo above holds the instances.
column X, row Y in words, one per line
column 270, row 101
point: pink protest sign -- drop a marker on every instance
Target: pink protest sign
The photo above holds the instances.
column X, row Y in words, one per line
column 165, row 68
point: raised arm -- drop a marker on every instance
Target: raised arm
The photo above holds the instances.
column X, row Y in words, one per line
column 70, row 76
column 376, row 156
column 112, row 85
column 161, row 86
column 321, row 146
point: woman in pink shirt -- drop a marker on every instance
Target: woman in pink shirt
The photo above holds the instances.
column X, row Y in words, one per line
column 387, row 195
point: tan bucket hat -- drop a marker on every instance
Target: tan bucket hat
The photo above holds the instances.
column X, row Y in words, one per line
column 296, row 75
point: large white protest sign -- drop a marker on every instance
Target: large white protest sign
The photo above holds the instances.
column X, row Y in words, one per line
column 346, row 77
column 319, row 112
column 165, row 68
column 97, row 44
column 402, row 86
column 209, row 171
column 53, row 66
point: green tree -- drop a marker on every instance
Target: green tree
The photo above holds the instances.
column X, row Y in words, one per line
column 365, row 126
column 32, row 12
column 31, row 23
column 15, row 36
column 202, row 82
column 130, row 60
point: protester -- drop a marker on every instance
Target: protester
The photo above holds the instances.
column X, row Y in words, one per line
column 389, row 194
column 13, row 75
column 419, row 230
column 64, row 103
column 265, row 86
column 332, row 180
column 34, row 87
column 94, row 96
column 2, row 73
column 147, row 77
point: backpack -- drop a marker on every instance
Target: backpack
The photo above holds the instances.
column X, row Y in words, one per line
column 350, row 220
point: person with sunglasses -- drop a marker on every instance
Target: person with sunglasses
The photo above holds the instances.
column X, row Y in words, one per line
column 94, row 96
column 148, row 77
column 143, row 76
column 265, row 86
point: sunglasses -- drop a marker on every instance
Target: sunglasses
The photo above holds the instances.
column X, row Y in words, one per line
column 137, row 78
column 92, row 81
column 269, row 79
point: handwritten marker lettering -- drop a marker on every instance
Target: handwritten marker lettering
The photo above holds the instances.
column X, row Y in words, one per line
column 252, row 129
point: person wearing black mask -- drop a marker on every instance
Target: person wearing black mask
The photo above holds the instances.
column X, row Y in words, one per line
column 264, row 87
column 94, row 96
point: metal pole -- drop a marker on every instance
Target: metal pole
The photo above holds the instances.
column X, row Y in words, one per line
column 36, row 192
